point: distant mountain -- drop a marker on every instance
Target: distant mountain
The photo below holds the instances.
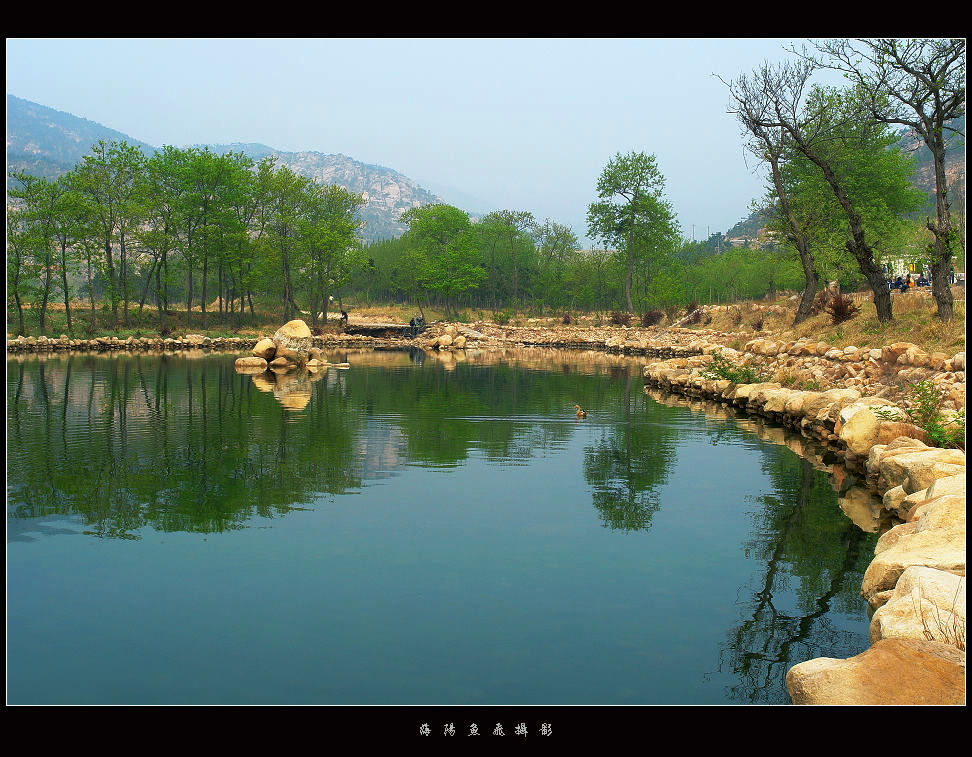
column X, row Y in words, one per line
column 389, row 193
column 924, row 177
column 45, row 142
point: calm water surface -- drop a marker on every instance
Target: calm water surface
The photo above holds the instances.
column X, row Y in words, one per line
column 413, row 530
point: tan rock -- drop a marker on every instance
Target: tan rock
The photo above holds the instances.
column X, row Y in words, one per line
column 918, row 469
column 891, row 430
column 925, row 602
column 776, row 400
column 948, row 463
column 935, row 540
column 281, row 362
column 893, row 499
column 290, row 355
column 265, row 349
column 861, row 432
column 246, row 364
column 936, row 361
column 459, row 342
column 891, row 353
column 294, row 335
column 893, row 671
column 444, row 341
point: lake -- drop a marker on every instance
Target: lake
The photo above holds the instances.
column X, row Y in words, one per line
column 416, row 529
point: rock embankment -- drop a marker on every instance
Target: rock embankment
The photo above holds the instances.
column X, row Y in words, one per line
column 915, row 586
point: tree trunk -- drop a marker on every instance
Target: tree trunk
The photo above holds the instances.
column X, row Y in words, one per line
column 94, row 316
column 189, row 297
column 64, row 281
column 124, row 278
column 941, row 248
column 112, row 280
column 20, row 310
column 204, row 277
column 47, row 291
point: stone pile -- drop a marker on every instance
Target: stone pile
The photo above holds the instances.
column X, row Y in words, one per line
column 292, row 347
column 131, row 344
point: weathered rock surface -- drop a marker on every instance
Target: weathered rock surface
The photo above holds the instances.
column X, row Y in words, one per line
column 892, row 671
column 294, row 335
column 925, row 603
column 265, row 349
column 936, row 539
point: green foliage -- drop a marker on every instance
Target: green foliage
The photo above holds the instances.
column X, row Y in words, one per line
column 721, row 367
column 924, row 401
column 443, row 248
column 632, row 215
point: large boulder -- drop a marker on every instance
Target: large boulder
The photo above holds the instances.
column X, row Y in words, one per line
column 265, row 349
column 892, row 671
column 936, row 539
column 917, row 469
column 861, row 431
column 925, row 602
column 891, row 430
column 293, row 335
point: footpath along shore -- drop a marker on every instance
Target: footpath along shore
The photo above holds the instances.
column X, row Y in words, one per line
column 915, row 585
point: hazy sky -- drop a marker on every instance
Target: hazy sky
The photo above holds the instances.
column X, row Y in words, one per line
column 525, row 124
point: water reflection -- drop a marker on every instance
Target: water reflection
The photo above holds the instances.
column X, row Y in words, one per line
column 811, row 554
column 127, row 444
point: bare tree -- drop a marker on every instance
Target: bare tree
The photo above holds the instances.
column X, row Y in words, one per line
column 751, row 105
column 813, row 121
column 919, row 83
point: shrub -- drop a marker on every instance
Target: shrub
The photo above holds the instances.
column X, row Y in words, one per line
column 758, row 323
column 692, row 307
column 842, row 308
column 672, row 312
column 924, row 400
column 620, row 318
column 652, row 318
column 566, row 319
column 707, row 319
column 503, row 317
column 721, row 367
column 735, row 315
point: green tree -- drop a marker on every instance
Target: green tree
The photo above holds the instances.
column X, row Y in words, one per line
column 825, row 127
column 510, row 225
column 631, row 212
column 442, row 242
column 330, row 233
column 918, row 83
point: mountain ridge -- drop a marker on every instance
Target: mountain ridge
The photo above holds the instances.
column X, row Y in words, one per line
column 46, row 142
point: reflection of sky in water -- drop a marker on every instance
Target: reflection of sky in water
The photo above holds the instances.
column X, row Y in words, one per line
column 413, row 534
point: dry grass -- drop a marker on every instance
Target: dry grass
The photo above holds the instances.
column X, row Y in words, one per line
column 914, row 321
column 948, row 631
